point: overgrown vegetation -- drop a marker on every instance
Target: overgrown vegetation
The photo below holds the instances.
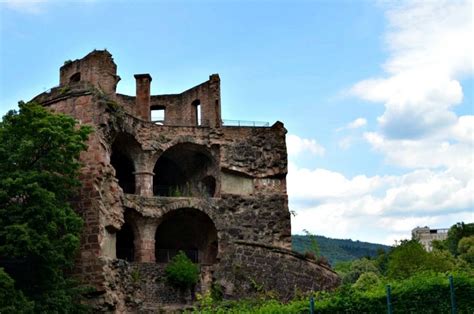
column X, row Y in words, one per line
column 39, row 231
column 181, row 272
column 418, row 279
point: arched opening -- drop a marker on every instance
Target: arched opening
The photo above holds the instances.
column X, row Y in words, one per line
column 189, row 230
column 197, row 111
column 124, row 170
column 125, row 248
column 124, row 149
column 76, row 77
column 185, row 170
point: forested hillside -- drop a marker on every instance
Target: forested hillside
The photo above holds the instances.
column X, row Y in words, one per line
column 337, row 250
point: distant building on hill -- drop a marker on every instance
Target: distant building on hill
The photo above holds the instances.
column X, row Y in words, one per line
column 426, row 236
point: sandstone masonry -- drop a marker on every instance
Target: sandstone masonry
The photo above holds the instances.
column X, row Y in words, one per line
column 163, row 173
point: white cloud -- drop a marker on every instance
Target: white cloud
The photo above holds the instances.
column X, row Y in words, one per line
column 25, row 6
column 35, row 7
column 431, row 48
column 347, row 141
column 431, row 153
column 297, row 145
column 321, row 184
column 357, row 123
column 364, row 208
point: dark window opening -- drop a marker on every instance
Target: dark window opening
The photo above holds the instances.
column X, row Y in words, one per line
column 125, row 248
column 183, row 171
column 190, row 231
column 158, row 114
column 197, row 111
column 209, row 185
column 124, row 170
column 76, row 77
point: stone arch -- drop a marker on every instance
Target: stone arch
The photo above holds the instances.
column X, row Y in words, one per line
column 190, row 230
column 124, row 153
column 185, row 169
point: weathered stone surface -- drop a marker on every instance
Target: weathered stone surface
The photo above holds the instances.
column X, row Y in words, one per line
column 150, row 189
column 250, row 269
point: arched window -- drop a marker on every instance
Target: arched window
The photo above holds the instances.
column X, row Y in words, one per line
column 185, row 170
column 188, row 230
column 124, row 149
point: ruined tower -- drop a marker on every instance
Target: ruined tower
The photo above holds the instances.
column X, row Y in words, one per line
column 164, row 173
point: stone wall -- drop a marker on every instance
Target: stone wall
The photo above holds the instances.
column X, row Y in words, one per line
column 265, row 219
column 247, row 270
column 250, row 269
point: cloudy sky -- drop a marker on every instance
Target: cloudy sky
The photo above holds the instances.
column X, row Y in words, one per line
column 377, row 96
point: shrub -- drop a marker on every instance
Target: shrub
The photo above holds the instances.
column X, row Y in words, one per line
column 181, row 272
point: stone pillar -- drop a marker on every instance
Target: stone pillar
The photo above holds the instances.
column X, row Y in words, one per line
column 145, row 243
column 144, row 183
column 142, row 101
column 214, row 112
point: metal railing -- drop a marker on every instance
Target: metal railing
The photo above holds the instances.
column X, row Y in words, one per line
column 245, row 123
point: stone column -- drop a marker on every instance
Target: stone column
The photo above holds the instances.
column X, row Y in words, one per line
column 144, row 183
column 145, row 243
column 142, row 105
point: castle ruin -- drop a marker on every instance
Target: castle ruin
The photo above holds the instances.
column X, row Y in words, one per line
column 162, row 173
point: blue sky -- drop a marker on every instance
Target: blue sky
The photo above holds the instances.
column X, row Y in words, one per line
column 377, row 97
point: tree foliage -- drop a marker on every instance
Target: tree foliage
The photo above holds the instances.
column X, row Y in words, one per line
column 39, row 231
column 181, row 272
column 466, row 249
column 456, row 233
column 410, row 258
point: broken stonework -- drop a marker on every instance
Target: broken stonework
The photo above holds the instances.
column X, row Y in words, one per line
column 162, row 173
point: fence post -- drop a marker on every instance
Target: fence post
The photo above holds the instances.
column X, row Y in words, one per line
column 453, row 298
column 311, row 305
column 389, row 301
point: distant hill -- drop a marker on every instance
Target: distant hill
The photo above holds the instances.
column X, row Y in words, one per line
column 337, row 250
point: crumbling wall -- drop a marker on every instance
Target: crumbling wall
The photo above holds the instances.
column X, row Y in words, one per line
column 98, row 200
column 251, row 269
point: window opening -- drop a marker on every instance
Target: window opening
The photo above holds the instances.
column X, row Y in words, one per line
column 158, row 115
column 125, row 248
column 197, row 109
column 76, row 77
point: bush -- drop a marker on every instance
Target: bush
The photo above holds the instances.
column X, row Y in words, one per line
column 181, row 272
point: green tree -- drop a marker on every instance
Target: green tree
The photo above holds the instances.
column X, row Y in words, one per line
column 366, row 281
column 357, row 268
column 39, row 231
column 406, row 259
column 456, row 233
column 409, row 258
column 466, row 249
column 181, row 272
